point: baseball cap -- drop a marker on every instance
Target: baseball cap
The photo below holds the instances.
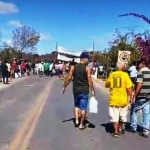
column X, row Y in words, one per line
column 84, row 55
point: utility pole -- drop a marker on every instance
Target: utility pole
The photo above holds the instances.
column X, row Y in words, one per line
column 93, row 47
column 56, row 47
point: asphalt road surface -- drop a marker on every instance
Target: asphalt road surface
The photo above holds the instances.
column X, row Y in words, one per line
column 35, row 115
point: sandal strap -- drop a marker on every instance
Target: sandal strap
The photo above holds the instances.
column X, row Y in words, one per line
column 81, row 127
column 115, row 135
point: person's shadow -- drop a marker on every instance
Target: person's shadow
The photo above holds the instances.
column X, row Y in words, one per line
column 109, row 127
column 87, row 124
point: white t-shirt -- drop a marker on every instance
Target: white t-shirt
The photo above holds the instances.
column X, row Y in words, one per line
column 60, row 66
column 56, row 66
column 41, row 67
column 133, row 71
column 37, row 65
column 8, row 66
column 101, row 68
column 51, row 66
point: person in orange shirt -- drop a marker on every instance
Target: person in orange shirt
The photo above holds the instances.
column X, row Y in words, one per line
column 120, row 86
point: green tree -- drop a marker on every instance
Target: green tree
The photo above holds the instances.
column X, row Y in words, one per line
column 122, row 42
column 9, row 53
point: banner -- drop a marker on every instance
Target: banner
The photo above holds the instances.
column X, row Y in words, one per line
column 124, row 56
column 65, row 58
column 68, row 52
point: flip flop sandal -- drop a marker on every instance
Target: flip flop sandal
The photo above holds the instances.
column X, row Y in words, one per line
column 76, row 125
column 115, row 135
column 121, row 132
column 81, row 127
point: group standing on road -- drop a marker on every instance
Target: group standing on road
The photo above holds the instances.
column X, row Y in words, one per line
column 134, row 91
column 125, row 89
column 14, row 69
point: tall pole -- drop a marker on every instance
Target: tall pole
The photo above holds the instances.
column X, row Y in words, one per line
column 56, row 48
column 93, row 47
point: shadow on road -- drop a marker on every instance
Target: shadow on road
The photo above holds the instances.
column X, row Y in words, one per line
column 86, row 123
column 109, row 127
column 139, row 128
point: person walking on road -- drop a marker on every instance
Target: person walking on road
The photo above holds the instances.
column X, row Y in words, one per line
column 4, row 70
column 133, row 73
column 8, row 68
column 41, row 69
column 46, row 68
column 141, row 98
column 81, row 84
column 120, row 86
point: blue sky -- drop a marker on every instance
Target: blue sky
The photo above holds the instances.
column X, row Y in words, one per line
column 73, row 24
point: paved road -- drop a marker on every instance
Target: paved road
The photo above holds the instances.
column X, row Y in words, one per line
column 35, row 115
column 19, row 105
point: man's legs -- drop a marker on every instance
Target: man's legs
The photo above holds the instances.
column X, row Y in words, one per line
column 84, row 98
column 76, row 115
column 76, row 110
column 114, row 115
column 146, row 119
column 123, row 119
column 4, row 78
column 133, row 118
column 46, row 73
column 7, row 77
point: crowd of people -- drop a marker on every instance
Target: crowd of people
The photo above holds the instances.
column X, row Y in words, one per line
column 127, row 88
column 14, row 69
column 59, row 68
column 21, row 68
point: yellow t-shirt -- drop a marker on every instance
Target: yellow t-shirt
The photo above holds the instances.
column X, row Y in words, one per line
column 118, row 82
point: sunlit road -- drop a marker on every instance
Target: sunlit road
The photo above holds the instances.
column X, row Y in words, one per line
column 35, row 115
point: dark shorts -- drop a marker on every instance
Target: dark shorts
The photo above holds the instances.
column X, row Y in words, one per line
column 60, row 72
column 81, row 101
column 133, row 79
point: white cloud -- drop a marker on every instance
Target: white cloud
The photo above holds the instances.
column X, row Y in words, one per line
column 46, row 37
column 7, row 8
column 15, row 23
column 8, row 42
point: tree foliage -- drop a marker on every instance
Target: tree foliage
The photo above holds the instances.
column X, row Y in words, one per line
column 101, row 57
column 25, row 38
column 9, row 53
column 122, row 42
column 142, row 40
column 143, row 17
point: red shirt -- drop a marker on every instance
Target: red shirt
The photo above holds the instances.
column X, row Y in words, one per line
column 14, row 66
column 23, row 65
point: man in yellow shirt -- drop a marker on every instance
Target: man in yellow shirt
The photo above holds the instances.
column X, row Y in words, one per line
column 120, row 86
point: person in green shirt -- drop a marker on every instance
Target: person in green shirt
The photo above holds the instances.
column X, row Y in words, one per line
column 46, row 68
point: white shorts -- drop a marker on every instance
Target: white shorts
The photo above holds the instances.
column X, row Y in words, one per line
column 118, row 113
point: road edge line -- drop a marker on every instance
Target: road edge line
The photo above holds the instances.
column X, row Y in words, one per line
column 34, row 114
